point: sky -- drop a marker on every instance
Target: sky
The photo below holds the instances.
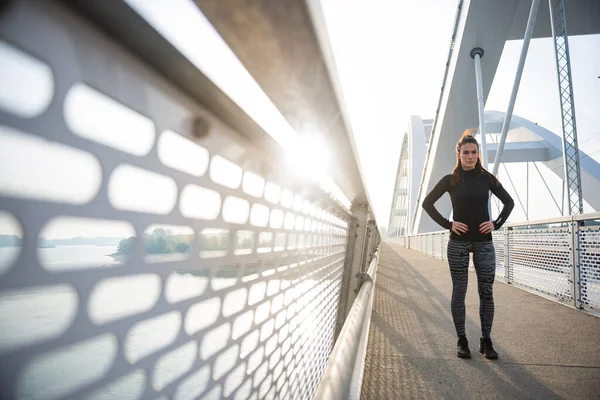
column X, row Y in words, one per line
column 391, row 58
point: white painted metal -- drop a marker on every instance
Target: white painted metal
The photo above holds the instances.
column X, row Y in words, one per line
column 480, row 108
column 527, row 141
column 486, row 24
column 556, row 258
column 517, row 81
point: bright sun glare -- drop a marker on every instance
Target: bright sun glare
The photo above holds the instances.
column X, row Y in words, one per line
column 309, row 157
column 182, row 23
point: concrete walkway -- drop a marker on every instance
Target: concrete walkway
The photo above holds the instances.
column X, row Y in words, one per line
column 547, row 350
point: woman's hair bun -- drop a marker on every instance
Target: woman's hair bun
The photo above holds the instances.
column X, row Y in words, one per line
column 468, row 133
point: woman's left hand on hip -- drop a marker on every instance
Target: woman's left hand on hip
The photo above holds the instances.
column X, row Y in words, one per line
column 486, row 227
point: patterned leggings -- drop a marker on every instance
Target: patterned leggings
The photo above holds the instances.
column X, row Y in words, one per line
column 484, row 258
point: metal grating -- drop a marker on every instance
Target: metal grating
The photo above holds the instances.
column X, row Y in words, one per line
column 498, row 239
column 445, row 239
column 589, row 267
column 430, row 245
column 541, row 260
column 437, row 246
column 563, row 263
column 199, row 279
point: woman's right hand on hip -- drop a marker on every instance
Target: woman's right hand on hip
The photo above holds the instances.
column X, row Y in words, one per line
column 459, row 227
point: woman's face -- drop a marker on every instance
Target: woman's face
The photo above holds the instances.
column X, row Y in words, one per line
column 469, row 153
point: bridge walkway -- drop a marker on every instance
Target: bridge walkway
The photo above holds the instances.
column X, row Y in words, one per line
column 547, row 350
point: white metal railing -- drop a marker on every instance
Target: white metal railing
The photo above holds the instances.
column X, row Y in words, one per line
column 343, row 375
column 148, row 249
column 556, row 257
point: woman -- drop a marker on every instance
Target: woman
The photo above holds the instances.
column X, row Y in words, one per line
column 469, row 185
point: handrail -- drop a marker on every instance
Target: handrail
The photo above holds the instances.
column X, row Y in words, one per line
column 523, row 250
column 544, row 221
column 346, row 362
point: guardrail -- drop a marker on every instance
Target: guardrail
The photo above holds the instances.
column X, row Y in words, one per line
column 344, row 372
column 148, row 249
column 558, row 257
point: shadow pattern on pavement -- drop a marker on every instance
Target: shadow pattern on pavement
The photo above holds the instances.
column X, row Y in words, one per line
column 412, row 342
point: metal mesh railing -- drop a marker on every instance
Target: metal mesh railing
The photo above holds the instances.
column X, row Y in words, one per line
column 589, row 266
column 445, row 239
column 137, row 259
column 561, row 262
column 437, row 246
column 498, row 239
column 540, row 260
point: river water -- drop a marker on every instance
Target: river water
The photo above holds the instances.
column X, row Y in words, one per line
column 38, row 314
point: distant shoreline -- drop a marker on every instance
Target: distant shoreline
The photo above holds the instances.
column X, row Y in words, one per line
column 52, row 246
column 43, row 246
column 118, row 256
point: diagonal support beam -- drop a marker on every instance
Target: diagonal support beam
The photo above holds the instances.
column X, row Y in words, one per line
column 515, row 89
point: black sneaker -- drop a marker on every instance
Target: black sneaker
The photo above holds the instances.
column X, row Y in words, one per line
column 462, row 348
column 487, row 348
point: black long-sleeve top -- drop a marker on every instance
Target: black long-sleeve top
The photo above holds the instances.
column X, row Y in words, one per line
column 469, row 203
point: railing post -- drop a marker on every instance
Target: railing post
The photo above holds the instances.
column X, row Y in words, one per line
column 346, row 276
column 353, row 262
column 373, row 242
column 575, row 279
column 366, row 250
column 507, row 254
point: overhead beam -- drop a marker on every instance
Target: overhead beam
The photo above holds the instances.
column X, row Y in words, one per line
column 521, row 152
column 583, row 16
column 277, row 43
